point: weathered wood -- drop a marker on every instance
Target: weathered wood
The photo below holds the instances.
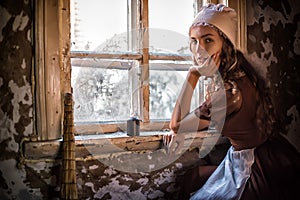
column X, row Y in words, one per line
column 89, row 54
column 164, row 56
column 48, row 70
column 129, row 56
column 88, row 129
column 99, row 145
column 145, row 60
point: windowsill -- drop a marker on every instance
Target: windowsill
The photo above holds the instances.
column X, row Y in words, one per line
column 120, row 142
column 110, row 129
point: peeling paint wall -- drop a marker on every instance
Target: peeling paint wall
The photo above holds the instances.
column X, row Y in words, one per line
column 273, row 46
column 16, row 106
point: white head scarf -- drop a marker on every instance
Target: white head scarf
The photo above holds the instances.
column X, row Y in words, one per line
column 220, row 16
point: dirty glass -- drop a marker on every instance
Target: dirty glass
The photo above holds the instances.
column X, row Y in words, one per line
column 94, row 22
column 101, row 92
column 165, row 85
column 103, row 88
column 169, row 22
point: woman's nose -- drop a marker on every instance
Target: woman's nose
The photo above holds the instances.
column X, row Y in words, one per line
column 199, row 49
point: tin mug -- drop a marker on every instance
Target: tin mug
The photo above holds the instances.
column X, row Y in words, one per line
column 133, row 126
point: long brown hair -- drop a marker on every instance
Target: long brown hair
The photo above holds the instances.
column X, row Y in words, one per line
column 234, row 63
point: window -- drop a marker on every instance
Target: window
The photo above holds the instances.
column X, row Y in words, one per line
column 124, row 58
column 133, row 63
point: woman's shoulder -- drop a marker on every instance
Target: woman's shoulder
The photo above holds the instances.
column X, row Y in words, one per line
column 233, row 96
column 239, row 79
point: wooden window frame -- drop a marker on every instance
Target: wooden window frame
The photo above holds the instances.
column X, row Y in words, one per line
column 53, row 66
column 138, row 21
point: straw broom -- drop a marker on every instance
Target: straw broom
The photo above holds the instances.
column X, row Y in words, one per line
column 68, row 186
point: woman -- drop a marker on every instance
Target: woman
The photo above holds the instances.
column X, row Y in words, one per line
column 260, row 164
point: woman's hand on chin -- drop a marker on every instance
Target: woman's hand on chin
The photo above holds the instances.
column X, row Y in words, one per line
column 207, row 67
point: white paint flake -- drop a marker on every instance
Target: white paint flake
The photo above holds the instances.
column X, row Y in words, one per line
column 93, row 167
column 91, row 185
column 4, row 16
column 7, row 131
column 84, row 171
column 110, row 171
column 119, row 192
column 7, row 125
column 179, row 165
column 29, row 35
column 259, row 62
column 166, row 176
column 294, row 127
column 156, row 194
column 23, row 65
column 143, row 181
column 20, row 95
column 1, row 81
column 38, row 167
column 297, row 40
column 20, row 22
column 270, row 16
column 15, row 179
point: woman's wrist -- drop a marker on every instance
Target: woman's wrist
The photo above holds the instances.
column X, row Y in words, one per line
column 194, row 72
column 193, row 77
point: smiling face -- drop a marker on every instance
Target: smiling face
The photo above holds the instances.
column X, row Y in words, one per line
column 205, row 42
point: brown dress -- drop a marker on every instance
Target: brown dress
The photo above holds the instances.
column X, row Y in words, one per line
column 275, row 173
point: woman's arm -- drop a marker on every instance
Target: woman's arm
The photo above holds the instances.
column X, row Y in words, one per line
column 182, row 119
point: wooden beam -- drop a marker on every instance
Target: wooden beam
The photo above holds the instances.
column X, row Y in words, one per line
column 48, row 70
column 91, row 54
column 145, row 61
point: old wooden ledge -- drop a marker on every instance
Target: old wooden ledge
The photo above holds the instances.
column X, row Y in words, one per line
column 117, row 143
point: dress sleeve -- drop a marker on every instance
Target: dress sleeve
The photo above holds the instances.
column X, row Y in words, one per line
column 216, row 103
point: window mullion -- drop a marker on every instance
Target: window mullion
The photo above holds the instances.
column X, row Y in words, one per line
column 145, row 60
column 134, row 44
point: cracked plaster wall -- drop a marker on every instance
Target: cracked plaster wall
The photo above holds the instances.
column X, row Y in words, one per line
column 16, row 106
column 273, row 46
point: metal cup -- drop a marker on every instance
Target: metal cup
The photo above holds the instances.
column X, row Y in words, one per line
column 133, row 126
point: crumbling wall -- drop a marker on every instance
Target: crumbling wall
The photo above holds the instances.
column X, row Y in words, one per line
column 274, row 47
column 16, row 106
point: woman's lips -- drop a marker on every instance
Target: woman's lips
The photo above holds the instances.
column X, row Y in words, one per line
column 201, row 60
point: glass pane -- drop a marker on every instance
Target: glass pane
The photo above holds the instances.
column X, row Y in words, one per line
column 167, row 41
column 165, row 85
column 95, row 22
column 100, row 90
column 169, row 22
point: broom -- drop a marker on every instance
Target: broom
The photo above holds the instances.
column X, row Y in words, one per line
column 68, row 185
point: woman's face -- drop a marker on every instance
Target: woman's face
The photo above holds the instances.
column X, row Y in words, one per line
column 205, row 42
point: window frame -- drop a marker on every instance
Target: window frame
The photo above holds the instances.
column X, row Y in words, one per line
column 138, row 20
column 53, row 63
column 51, row 66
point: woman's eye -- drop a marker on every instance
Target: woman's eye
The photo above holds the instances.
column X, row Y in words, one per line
column 208, row 40
column 193, row 41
